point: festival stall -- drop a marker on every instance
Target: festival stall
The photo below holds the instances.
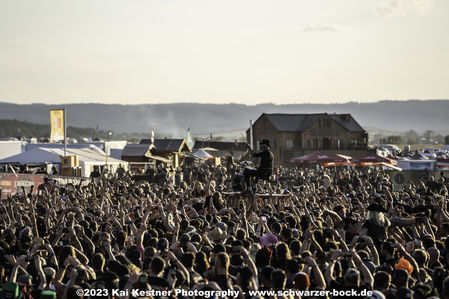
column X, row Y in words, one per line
column 88, row 158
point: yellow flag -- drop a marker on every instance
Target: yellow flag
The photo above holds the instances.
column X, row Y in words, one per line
column 57, row 124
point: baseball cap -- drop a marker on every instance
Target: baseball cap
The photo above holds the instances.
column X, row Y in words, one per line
column 268, row 240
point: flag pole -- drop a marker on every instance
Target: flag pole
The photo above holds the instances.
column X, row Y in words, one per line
column 251, row 138
column 152, row 136
column 65, row 134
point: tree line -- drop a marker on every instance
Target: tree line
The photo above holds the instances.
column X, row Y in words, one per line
column 411, row 137
column 23, row 129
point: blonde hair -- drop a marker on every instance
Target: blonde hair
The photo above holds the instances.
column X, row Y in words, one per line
column 378, row 218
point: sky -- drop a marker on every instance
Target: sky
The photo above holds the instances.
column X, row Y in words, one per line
column 228, row 51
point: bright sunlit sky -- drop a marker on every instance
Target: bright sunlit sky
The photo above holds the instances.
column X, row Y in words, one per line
column 245, row 51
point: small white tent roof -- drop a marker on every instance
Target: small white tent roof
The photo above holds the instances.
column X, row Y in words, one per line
column 34, row 156
column 202, row 154
column 94, row 147
column 42, row 155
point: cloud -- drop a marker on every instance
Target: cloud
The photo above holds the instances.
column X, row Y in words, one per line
column 402, row 8
column 322, row 28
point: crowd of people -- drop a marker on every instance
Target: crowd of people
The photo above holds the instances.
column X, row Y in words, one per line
column 335, row 229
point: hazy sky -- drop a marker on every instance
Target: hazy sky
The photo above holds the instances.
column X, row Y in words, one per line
column 246, row 51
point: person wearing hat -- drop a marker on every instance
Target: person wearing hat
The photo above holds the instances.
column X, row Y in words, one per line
column 265, row 168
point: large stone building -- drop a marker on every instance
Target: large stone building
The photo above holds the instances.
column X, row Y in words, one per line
column 293, row 135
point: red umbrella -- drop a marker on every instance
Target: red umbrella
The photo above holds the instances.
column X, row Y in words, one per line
column 374, row 160
column 322, row 158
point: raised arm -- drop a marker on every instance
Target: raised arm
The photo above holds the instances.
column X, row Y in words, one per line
column 329, row 274
column 40, row 272
column 368, row 278
column 317, row 274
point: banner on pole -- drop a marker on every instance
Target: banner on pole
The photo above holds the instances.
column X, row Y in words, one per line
column 57, row 124
column 189, row 139
column 152, row 136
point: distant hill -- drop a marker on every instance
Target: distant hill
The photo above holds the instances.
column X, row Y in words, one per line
column 174, row 119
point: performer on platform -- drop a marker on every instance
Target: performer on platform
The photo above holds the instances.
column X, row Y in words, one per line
column 265, row 168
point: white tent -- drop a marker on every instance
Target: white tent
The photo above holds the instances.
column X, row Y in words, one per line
column 9, row 148
column 97, row 148
column 34, row 156
column 87, row 157
column 202, row 154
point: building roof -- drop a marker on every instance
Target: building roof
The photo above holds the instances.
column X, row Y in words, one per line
column 347, row 121
column 300, row 122
column 221, row 145
column 136, row 150
column 168, row 145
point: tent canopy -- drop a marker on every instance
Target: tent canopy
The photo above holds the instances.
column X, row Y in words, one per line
column 34, row 156
column 321, row 158
column 202, row 154
column 42, row 155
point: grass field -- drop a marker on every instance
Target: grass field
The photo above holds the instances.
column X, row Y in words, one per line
column 414, row 147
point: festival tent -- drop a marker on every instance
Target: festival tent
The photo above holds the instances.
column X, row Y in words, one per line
column 9, row 148
column 91, row 146
column 33, row 157
column 202, row 154
column 322, row 159
column 88, row 158
column 206, row 157
column 374, row 160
